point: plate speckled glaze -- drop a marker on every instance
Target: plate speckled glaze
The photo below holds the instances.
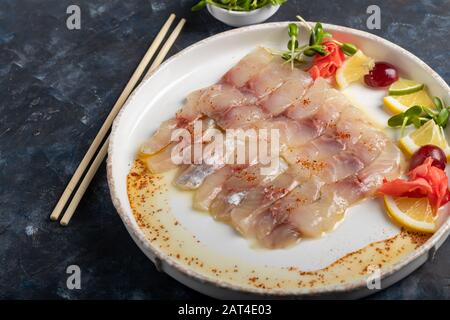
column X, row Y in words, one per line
column 209, row 256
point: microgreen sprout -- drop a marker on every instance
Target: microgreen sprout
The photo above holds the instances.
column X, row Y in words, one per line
column 418, row 115
column 237, row 5
column 317, row 37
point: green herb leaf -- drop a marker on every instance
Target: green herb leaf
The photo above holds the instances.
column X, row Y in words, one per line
column 200, row 5
column 293, row 30
column 413, row 112
column 429, row 112
column 416, row 122
column 442, row 118
column 292, row 45
column 396, row 121
column 349, row 49
column 438, row 103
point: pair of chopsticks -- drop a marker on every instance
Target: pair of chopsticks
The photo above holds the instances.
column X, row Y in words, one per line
column 92, row 151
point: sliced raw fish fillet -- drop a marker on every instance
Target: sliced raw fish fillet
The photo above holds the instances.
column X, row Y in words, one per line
column 239, row 184
column 194, row 175
column 263, row 224
column 273, row 76
column 213, row 158
column 281, row 236
column 248, row 67
column 389, row 164
column 161, row 161
column 259, row 199
column 241, row 117
column 319, row 95
column 161, row 138
column 332, row 156
column 189, row 111
column 322, row 147
column 210, row 188
column 289, row 93
column 214, row 100
column 322, row 215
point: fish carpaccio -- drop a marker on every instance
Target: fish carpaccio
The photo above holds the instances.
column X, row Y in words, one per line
column 330, row 156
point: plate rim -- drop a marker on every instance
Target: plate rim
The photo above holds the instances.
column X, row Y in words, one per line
column 160, row 256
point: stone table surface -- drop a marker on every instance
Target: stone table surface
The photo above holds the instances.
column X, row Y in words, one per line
column 57, row 87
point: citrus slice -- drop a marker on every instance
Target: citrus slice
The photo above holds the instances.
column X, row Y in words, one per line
column 397, row 104
column 413, row 213
column 429, row 133
column 353, row 69
column 402, row 87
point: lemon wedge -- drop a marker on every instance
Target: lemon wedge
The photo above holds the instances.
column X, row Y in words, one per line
column 353, row 69
column 413, row 213
column 397, row 104
column 402, row 87
column 429, row 133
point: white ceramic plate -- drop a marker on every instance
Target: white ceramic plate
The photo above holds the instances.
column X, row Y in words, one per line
column 231, row 266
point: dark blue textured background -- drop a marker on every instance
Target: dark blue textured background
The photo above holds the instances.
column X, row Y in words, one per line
column 57, row 87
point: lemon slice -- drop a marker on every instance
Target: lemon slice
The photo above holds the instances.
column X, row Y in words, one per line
column 413, row 213
column 429, row 133
column 404, row 86
column 397, row 104
column 353, row 69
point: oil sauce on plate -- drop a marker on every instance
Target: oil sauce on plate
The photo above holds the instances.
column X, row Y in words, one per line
column 149, row 196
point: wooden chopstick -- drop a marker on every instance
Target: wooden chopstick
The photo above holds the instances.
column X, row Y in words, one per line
column 165, row 49
column 108, row 122
column 104, row 150
column 85, row 184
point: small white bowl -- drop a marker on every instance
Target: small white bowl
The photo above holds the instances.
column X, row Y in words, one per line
column 242, row 18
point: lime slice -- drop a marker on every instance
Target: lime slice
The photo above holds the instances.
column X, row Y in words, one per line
column 402, row 87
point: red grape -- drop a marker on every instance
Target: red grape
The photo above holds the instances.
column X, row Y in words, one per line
column 383, row 74
column 429, row 150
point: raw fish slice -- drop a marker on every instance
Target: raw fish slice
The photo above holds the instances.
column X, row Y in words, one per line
column 241, row 117
column 250, row 177
column 389, row 164
column 286, row 95
column 322, row 147
column 210, row 188
column 161, row 161
column 238, row 185
column 215, row 155
column 273, row 76
column 338, row 159
column 248, row 67
column 194, row 175
column 161, row 138
column 214, row 100
column 319, row 95
column 297, row 133
column 314, row 219
column 259, row 199
column 339, row 167
column 282, row 236
column 328, row 170
column 264, row 224
column 189, row 111
column 321, row 216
